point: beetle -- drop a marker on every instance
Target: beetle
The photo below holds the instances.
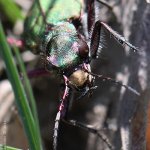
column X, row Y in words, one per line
column 66, row 48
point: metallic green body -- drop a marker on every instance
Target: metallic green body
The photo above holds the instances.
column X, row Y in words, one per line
column 55, row 11
column 62, row 52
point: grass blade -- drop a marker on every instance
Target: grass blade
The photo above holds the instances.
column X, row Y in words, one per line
column 21, row 99
column 4, row 147
column 27, row 87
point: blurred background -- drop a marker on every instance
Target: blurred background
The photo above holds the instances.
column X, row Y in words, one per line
column 120, row 115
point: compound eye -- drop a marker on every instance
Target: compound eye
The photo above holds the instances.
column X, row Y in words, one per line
column 83, row 49
column 49, row 47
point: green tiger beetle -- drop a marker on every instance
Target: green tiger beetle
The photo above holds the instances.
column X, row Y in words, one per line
column 54, row 28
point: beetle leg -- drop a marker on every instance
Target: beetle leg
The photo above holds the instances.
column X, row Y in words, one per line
column 42, row 12
column 37, row 73
column 90, row 129
column 91, row 14
column 61, row 112
column 95, row 43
